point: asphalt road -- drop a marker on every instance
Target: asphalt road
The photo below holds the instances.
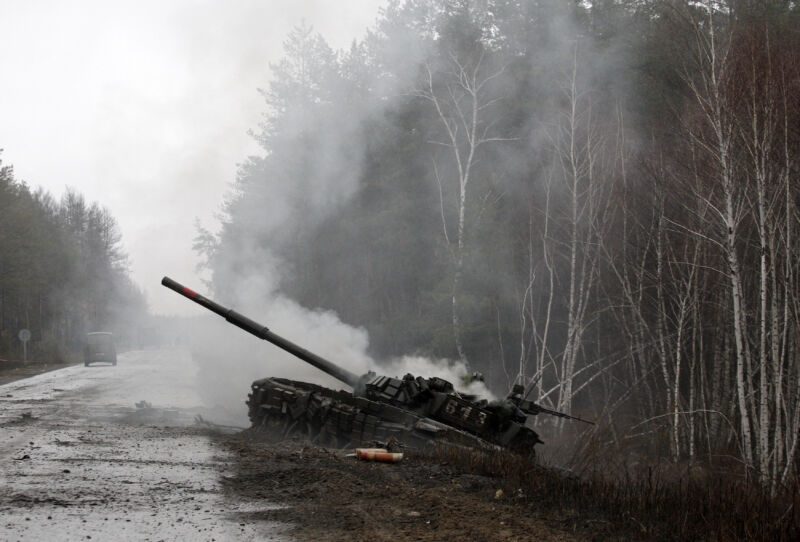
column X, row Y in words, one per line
column 79, row 460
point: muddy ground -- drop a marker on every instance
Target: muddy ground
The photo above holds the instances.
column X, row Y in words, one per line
column 329, row 496
column 126, row 453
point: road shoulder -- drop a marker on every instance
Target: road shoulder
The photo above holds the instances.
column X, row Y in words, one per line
column 332, row 497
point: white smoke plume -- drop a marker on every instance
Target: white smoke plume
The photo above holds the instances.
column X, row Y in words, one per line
column 229, row 360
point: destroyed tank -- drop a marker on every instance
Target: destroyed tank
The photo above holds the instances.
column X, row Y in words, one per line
column 414, row 410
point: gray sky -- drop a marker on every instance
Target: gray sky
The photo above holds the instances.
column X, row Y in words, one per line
column 144, row 106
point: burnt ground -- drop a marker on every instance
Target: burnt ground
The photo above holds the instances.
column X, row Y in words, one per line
column 329, row 496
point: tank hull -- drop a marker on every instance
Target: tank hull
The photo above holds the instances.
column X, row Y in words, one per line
column 340, row 419
column 415, row 410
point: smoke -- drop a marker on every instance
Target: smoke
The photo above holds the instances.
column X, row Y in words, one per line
column 277, row 197
column 311, row 167
column 229, row 359
column 453, row 371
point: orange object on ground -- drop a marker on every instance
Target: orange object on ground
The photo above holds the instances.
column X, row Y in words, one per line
column 377, row 454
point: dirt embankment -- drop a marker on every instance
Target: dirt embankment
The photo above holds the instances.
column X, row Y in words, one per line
column 332, row 497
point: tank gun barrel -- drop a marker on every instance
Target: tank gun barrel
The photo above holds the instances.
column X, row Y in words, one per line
column 263, row 332
column 532, row 408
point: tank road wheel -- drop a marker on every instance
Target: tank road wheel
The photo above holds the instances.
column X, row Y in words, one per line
column 254, row 412
column 290, row 428
column 277, row 424
column 325, row 439
column 525, row 443
column 309, row 430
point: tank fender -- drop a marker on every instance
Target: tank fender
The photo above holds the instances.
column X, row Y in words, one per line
column 427, row 426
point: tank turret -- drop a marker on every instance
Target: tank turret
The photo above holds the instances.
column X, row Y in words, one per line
column 414, row 410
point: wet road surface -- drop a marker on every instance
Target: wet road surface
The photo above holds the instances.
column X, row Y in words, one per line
column 79, row 460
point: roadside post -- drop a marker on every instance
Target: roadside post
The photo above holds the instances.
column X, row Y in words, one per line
column 24, row 336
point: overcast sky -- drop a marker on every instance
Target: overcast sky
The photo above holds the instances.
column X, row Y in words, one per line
column 144, row 106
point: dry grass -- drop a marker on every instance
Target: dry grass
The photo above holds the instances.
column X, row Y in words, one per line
column 654, row 502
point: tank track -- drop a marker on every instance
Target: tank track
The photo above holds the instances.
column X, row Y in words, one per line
column 338, row 419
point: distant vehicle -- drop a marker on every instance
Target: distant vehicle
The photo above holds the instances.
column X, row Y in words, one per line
column 100, row 347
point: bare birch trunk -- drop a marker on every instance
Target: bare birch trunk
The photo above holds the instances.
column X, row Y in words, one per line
column 460, row 112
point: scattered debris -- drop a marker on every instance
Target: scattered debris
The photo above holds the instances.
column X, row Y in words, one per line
column 381, row 455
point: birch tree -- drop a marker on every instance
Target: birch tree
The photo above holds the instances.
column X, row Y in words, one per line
column 743, row 134
column 462, row 97
column 576, row 144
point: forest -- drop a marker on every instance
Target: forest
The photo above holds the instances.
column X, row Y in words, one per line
column 63, row 273
column 599, row 198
